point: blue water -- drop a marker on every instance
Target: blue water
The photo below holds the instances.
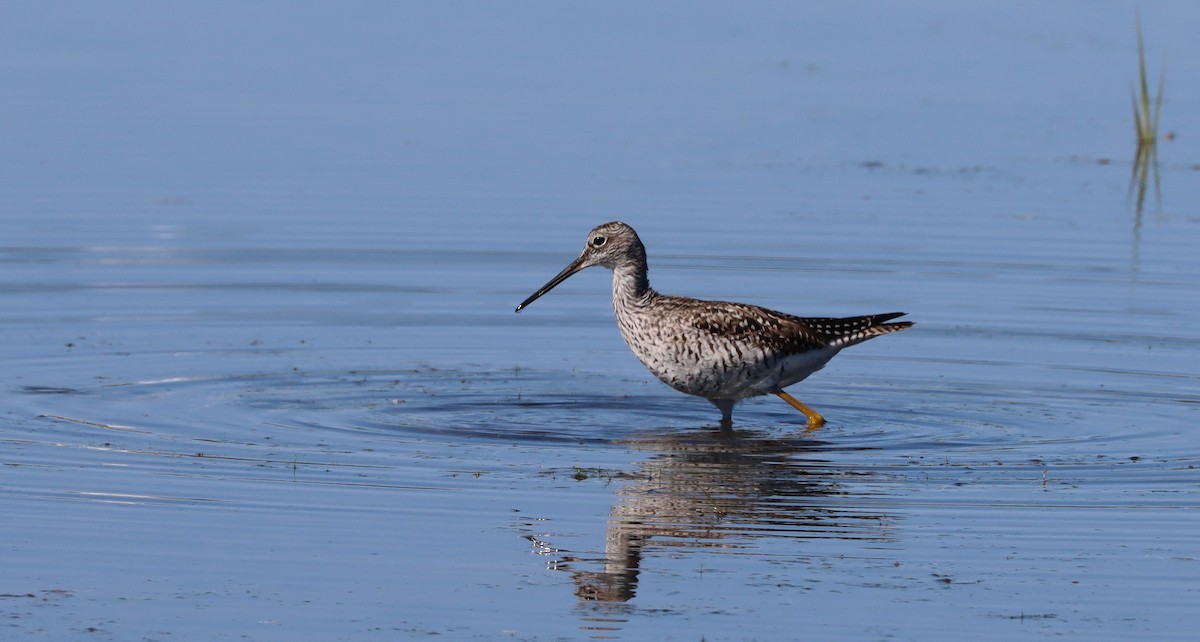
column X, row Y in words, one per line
column 262, row 376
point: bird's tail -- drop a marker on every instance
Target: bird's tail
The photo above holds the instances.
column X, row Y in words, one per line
column 848, row 331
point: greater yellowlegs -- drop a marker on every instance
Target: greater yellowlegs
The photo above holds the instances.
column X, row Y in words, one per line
column 721, row 351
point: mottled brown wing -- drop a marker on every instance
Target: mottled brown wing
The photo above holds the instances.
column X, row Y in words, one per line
column 755, row 326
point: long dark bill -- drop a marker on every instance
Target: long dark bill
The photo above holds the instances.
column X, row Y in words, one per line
column 574, row 267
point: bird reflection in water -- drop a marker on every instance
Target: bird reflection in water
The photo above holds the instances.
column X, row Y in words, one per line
column 714, row 490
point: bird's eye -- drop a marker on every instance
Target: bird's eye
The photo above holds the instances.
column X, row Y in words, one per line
column 598, row 241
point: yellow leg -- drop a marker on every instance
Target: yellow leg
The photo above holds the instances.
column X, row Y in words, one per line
column 815, row 420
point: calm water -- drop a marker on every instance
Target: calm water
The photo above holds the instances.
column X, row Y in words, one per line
column 262, row 378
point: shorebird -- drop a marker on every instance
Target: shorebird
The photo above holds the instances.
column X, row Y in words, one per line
column 722, row 351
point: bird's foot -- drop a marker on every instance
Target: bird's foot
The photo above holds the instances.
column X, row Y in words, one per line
column 815, row 420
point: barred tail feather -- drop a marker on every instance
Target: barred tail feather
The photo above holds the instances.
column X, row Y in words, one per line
column 855, row 330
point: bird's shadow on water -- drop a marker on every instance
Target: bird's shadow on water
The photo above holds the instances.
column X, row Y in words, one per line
column 714, row 490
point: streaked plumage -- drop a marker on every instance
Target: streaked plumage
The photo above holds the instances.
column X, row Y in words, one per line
column 718, row 350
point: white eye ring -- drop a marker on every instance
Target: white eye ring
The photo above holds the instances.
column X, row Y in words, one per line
column 598, row 241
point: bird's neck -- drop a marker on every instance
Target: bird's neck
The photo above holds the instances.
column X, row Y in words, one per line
column 631, row 286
